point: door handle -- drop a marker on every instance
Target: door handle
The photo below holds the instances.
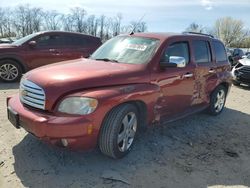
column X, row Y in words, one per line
column 188, row 75
column 211, row 71
column 54, row 51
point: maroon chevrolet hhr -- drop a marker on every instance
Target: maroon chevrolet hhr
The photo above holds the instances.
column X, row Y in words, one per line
column 130, row 82
column 43, row 48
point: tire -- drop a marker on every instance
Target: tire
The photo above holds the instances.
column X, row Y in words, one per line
column 217, row 100
column 10, row 71
column 118, row 131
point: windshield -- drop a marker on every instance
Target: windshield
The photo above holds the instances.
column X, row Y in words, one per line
column 127, row 49
column 24, row 39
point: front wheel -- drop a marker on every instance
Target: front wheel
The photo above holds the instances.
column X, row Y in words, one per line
column 217, row 100
column 10, row 71
column 118, row 131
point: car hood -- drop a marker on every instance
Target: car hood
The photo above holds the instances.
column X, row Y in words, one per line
column 67, row 77
column 245, row 61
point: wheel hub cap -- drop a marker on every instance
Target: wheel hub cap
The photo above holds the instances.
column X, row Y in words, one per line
column 8, row 72
column 127, row 132
column 220, row 100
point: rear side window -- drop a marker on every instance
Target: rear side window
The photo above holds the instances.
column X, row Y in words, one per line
column 220, row 52
column 177, row 49
column 202, row 52
column 80, row 41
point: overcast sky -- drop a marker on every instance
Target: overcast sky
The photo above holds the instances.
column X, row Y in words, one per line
column 160, row 15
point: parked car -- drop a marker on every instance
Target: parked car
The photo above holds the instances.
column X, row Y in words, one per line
column 236, row 56
column 241, row 71
column 130, row 82
column 43, row 48
column 247, row 53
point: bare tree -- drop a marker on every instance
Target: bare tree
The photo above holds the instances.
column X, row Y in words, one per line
column 78, row 18
column 27, row 20
column 6, row 23
column 67, row 22
column 107, row 26
column 24, row 19
column 194, row 27
column 91, row 25
column 138, row 27
column 116, row 24
column 2, row 16
column 102, row 22
column 229, row 30
column 52, row 20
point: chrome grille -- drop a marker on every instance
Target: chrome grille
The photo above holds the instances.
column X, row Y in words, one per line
column 245, row 69
column 32, row 94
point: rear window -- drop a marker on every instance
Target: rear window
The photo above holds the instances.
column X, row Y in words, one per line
column 201, row 51
column 220, row 52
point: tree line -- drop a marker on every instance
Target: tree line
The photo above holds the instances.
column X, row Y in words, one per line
column 23, row 20
column 232, row 32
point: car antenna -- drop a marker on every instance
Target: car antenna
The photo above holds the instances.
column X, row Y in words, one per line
column 133, row 30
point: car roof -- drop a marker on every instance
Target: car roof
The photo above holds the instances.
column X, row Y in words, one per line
column 166, row 35
column 65, row 32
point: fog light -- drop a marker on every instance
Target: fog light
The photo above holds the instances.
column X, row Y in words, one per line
column 64, row 142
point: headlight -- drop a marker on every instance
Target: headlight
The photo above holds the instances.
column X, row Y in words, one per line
column 78, row 105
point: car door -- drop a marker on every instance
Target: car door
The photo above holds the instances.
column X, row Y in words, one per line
column 48, row 49
column 176, row 83
column 205, row 71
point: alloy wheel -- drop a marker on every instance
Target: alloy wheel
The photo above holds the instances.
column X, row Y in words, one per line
column 127, row 132
column 220, row 100
column 8, row 72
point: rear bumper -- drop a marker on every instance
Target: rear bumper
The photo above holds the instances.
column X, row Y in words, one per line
column 77, row 130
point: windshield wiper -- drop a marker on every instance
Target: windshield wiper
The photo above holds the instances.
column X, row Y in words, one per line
column 107, row 59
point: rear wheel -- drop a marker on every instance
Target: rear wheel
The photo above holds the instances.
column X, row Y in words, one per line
column 217, row 100
column 118, row 131
column 10, row 71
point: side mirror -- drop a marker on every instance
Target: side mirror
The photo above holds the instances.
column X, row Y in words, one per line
column 32, row 44
column 174, row 61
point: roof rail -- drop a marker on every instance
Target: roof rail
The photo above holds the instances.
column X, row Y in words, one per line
column 196, row 33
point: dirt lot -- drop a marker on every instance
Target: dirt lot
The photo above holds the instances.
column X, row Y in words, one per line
column 198, row 151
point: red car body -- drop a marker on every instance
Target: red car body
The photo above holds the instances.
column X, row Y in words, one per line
column 160, row 94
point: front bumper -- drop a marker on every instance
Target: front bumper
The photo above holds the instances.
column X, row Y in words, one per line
column 77, row 130
column 241, row 75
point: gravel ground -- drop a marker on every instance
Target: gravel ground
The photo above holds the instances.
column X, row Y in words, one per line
column 198, row 151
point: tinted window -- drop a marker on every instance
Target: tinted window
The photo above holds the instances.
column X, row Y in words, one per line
column 220, row 53
column 177, row 49
column 76, row 40
column 201, row 51
column 49, row 40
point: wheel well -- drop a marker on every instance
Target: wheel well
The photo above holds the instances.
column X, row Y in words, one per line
column 225, row 84
column 142, row 110
column 13, row 59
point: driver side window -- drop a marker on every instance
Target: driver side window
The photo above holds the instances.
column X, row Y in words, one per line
column 178, row 49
